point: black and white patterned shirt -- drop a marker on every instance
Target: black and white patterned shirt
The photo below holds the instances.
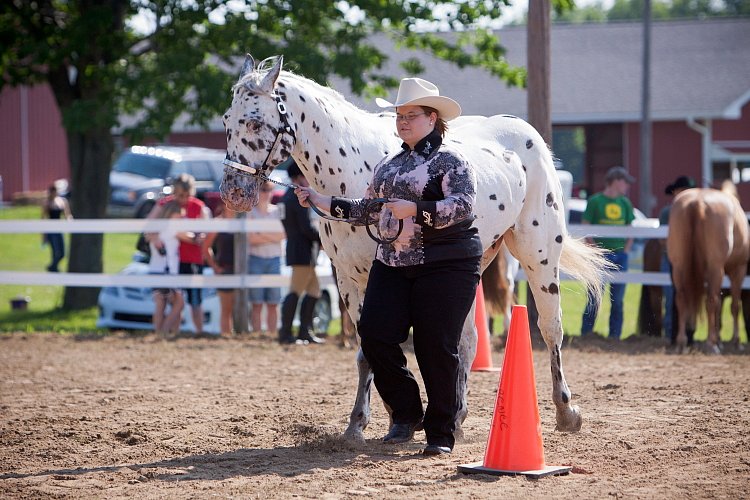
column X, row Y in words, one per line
column 443, row 185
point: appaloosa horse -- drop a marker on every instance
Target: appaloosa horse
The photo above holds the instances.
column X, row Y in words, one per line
column 275, row 114
column 708, row 237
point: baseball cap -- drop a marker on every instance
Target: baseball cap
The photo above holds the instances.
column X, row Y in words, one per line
column 617, row 173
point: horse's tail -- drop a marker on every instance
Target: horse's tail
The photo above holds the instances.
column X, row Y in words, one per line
column 693, row 229
column 585, row 263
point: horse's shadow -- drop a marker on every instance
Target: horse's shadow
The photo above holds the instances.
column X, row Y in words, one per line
column 287, row 461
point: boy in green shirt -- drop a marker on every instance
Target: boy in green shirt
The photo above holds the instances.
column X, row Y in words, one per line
column 611, row 207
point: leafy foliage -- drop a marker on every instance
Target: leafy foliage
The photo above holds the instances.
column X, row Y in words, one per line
column 102, row 64
column 108, row 69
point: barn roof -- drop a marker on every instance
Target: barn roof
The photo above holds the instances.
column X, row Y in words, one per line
column 700, row 69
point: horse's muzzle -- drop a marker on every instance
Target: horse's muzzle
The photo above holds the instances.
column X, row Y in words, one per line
column 239, row 190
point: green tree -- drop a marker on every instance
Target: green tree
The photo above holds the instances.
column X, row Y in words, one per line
column 100, row 67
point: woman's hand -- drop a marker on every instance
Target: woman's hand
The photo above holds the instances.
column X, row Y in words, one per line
column 306, row 194
column 401, row 209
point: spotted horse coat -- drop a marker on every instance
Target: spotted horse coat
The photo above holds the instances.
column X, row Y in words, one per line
column 337, row 145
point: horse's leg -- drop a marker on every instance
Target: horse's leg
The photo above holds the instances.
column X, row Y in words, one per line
column 467, row 349
column 511, row 269
column 680, row 303
column 713, row 306
column 360, row 415
column 736, row 276
column 540, row 260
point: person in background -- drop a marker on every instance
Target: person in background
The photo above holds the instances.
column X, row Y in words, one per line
column 218, row 252
column 165, row 259
column 610, row 207
column 680, row 184
column 264, row 257
column 426, row 280
column 55, row 207
column 302, row 247
column 191, row 254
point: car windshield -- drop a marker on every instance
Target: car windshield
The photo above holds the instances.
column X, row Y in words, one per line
column 200, row 170
column 143, row 165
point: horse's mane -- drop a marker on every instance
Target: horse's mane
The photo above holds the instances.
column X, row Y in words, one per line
column 252, row 80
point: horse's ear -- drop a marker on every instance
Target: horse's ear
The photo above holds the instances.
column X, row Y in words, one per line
column 248, row 65
column 269, row 81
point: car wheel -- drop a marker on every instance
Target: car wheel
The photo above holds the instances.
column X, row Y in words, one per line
column 322, row 318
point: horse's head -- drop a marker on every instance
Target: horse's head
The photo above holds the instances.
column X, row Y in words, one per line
column 258, row 134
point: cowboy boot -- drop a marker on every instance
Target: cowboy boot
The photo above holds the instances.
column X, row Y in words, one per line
column 307, row 311
column 288, row 309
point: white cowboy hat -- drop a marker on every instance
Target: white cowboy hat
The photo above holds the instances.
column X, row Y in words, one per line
column 418, row 92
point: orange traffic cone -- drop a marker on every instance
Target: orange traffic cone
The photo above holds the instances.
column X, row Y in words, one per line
column 515, row 441
column 483, row 359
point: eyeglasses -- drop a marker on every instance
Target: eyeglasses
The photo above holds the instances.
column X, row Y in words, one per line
column 409, row 118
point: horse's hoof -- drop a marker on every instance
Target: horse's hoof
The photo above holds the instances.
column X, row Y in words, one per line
column 458, row 434
column 713, row 348
column 354, row 435
column 569, row 419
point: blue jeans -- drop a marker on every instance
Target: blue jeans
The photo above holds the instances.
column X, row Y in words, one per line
column 616, row 295
column 57, row 246
column 264, row 265
column 668, row 291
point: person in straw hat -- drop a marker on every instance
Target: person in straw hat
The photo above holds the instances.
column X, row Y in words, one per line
column 426, row 279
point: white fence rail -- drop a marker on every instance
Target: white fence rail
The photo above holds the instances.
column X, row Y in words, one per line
column 244, row 225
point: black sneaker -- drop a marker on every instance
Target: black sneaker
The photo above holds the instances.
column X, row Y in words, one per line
column 400, row 433
column 311, row 339
column 432, row 450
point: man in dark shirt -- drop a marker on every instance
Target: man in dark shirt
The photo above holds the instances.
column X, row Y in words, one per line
column 302, row 247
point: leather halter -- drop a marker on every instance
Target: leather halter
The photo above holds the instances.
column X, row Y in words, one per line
column 261, row 174
column 264, row 167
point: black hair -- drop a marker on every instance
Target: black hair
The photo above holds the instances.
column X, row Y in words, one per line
column 294, row 171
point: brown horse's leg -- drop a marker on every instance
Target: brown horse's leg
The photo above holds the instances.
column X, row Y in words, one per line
column 682, row 311
column 713, row 307
column 736, row 277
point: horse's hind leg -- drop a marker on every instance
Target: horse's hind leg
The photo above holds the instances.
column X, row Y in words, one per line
column 713, row 307
column 360, row 415
column 540, row 259
column 736, row 277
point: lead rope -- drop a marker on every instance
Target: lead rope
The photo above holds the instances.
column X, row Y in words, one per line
column 370, row 206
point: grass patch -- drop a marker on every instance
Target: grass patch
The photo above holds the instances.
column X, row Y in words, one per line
column 23, row 252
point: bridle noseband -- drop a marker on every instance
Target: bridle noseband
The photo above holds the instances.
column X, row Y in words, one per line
column 262, row 174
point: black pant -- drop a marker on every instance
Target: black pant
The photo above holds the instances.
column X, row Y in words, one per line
column 195, row 295
column 433, row 300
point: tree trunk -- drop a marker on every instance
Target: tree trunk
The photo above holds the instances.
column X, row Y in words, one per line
column 538, row 97
column 90, row 154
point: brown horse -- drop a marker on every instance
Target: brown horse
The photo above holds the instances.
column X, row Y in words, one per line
column 708, row 237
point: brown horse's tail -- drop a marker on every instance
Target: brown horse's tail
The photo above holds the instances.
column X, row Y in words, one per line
column 692, row 228
column 497, row 296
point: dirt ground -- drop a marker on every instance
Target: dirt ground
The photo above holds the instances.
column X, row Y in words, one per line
column 128, row 416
